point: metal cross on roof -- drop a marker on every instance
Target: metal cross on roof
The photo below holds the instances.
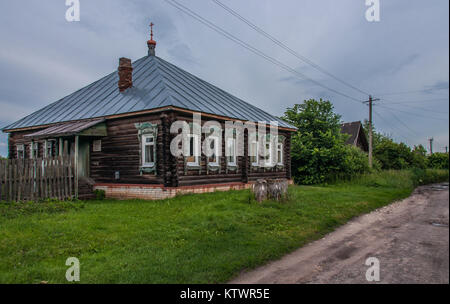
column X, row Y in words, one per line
column 151, row 30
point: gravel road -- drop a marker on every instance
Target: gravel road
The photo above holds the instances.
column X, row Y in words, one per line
column 410, row 238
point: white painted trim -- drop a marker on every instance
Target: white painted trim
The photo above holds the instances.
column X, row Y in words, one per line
column 194, row 150
column 216, row 152
column 144, row 145
column 281, row 163
column 256, row 163
column 233, row 141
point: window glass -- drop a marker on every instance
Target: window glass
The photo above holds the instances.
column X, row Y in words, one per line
column 192, row 159
column 231, row 148
column 254, row 153
column 268, row 154
column 36, row 150
column 280, row 153
column 49, row 148
column 20, row 151
column 148, row 150
column 214, row 146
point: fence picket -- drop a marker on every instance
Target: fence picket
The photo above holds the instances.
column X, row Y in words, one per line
column 19, row 179
column 52, row 178
column 60, row 193
column 34, row 179
column 70, row 176
column 65, row 173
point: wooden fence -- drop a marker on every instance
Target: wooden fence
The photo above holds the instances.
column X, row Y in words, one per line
column 36, row 179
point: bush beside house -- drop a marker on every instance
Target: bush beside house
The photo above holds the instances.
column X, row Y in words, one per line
column 319, row 152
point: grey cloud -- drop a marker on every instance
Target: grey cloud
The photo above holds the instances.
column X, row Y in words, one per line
column 44, row 58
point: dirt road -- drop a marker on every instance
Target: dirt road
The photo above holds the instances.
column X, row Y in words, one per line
column 410, row 238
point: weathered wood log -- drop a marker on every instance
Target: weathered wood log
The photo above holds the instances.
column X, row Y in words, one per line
column 275, row 189
column 259, row 189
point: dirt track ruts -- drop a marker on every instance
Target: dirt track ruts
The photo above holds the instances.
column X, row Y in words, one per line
column 410, row 238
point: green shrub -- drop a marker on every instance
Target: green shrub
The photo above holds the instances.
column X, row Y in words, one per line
column 392, row 155
column 318, row 150
column 419, row 157
column 428, row 176
column 438, row 161
column 355, row 161
column 99, row 194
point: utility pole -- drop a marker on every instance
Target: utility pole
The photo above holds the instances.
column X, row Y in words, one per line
column 370, row 131
column 370, row 101
column 431, row 144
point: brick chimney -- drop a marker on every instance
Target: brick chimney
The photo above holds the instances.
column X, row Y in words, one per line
column 125, row 74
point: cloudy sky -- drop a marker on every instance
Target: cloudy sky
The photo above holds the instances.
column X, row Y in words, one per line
column 403, row 59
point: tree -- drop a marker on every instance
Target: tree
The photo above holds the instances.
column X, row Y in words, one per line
column 393, row 155
column 438, row 161
column 419, row 157
column 318, row 150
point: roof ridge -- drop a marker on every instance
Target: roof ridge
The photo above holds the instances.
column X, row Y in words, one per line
column 156, row 83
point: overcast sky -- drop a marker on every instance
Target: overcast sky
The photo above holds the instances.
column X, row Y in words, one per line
column 44, row 58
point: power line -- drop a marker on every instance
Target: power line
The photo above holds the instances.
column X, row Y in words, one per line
column 233, row 38
column 411, row 92
column 387, row 122
column 414, row 114
column 419, row 108
column 285, row 47
column 418, row 101
column 404, row 124
column 278, row 63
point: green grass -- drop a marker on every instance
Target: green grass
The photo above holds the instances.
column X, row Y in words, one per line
column 205, row 238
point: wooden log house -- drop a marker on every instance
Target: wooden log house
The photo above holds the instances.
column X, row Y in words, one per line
column 118, row 131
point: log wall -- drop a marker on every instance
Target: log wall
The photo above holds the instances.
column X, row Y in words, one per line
column 120, row 152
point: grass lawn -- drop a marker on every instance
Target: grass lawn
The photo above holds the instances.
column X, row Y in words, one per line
column 205, row 238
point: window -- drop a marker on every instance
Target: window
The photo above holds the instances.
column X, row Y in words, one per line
column 213, row 160
column 49, row 144
column 20, row 151
column 254, row 153
column 34, row 150
column 280, row 154
column 148, row 150
column 268, row 154
column 97, row 145
column 192, row 159
column 231, row 151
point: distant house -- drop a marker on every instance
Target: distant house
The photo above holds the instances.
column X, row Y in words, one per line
column 357, row 135
column 118, row 129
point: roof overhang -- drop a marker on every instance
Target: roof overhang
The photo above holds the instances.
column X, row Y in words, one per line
column 96, row 127
column 130, row 114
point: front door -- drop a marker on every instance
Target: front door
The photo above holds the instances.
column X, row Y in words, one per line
column 83, row 158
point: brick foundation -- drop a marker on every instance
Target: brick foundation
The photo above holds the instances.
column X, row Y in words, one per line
column 155, row 192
